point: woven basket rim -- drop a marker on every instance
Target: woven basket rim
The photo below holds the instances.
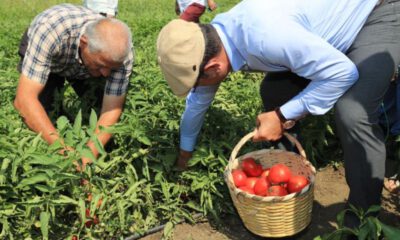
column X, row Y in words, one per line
column 237, row 191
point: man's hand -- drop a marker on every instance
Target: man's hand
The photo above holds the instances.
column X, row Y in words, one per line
column 269, row 127
column 183, row 158
column 212, row 5
column 82, row 167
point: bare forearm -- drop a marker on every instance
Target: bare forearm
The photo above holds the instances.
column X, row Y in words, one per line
column 106, row 119
column 36, row 118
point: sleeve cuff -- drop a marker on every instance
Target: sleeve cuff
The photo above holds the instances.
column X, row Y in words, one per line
column 294, row 109
column 187, row 143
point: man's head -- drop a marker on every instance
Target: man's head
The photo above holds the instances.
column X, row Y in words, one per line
column 105, row 45
column 191, row 54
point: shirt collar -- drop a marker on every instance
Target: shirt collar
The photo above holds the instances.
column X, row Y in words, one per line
column 236, row 59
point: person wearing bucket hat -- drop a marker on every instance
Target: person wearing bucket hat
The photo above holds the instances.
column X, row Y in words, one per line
column 318, row 54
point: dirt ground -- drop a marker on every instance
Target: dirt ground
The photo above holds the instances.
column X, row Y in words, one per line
column 329, row 199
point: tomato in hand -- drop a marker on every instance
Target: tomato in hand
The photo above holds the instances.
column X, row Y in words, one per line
column 277, row 190
column 261, row 187
column 251, row 168
column 239, row 177
column 296, row 183
column 279, row 173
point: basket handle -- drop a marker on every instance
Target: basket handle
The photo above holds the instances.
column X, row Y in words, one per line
column 246, row 138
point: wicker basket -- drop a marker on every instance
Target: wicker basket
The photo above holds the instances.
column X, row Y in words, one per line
column 273, row 216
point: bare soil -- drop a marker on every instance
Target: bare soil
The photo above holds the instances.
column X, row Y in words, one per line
column 330, row 195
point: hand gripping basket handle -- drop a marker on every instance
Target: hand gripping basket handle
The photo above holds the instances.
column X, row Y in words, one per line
column 246, row 138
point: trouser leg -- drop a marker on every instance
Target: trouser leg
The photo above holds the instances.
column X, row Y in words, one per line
column 376, row 54
column 90, row 91
column 389, row 121
column 275, row 90
column 193, row 13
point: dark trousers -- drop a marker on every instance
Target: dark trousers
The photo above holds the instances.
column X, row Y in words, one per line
column 90, row 91
column 193, row 13
column 390, row 121
column 376, row 52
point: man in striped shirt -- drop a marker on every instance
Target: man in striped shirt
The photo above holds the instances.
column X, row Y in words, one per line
column 73, row 43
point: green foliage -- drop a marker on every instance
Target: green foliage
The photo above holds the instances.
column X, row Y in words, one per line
column 370, row 228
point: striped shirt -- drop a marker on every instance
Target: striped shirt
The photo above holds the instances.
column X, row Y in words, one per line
column 53, row 46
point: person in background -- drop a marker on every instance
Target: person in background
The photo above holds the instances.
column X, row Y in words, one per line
column 191, row 10
column 319, row 54
column 91, row 52
column 390, row 121
column 107, row 8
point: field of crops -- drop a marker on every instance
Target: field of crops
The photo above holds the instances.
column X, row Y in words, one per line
column 41, row 195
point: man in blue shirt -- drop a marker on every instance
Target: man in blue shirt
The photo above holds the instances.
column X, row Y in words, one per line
column 341, row 52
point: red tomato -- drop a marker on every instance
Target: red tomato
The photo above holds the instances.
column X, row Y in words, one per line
column 265, row 173
column 87, row 212
column 296, row 183
column 251, row 168
column 74, row 237
column 279, row 173
column 84, row 182
column 251, row 181
column 261, row 187
column 239, row 177
column 96, row 220
column 99, row 203
column 247, row 189
column 277, row 190
column 89, row 223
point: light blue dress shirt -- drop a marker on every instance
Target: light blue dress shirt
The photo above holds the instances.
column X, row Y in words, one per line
column 306, row 37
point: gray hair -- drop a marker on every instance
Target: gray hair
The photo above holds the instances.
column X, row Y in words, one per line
column 110, row 36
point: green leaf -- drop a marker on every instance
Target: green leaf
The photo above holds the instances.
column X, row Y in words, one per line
column 145, row 140
column 121, row 212
column 390, row 233
column 65, row 176
column 194, row 205
column 34, row 201
column 62, row 123
column 48, row 189
column 82, row 211
column 42, row 159
column 373, row 209
column 168, row 229
column 78, row 124
column 40, row 177
column 36, row 140
column 98, row 145
column 44, row 224
column 364, row 232
column 92, row 120
column 65, row 200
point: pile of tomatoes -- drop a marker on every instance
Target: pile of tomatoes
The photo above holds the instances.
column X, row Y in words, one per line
column 274, row 181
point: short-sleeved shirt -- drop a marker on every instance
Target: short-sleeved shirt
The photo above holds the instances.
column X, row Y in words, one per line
column 53, row 46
